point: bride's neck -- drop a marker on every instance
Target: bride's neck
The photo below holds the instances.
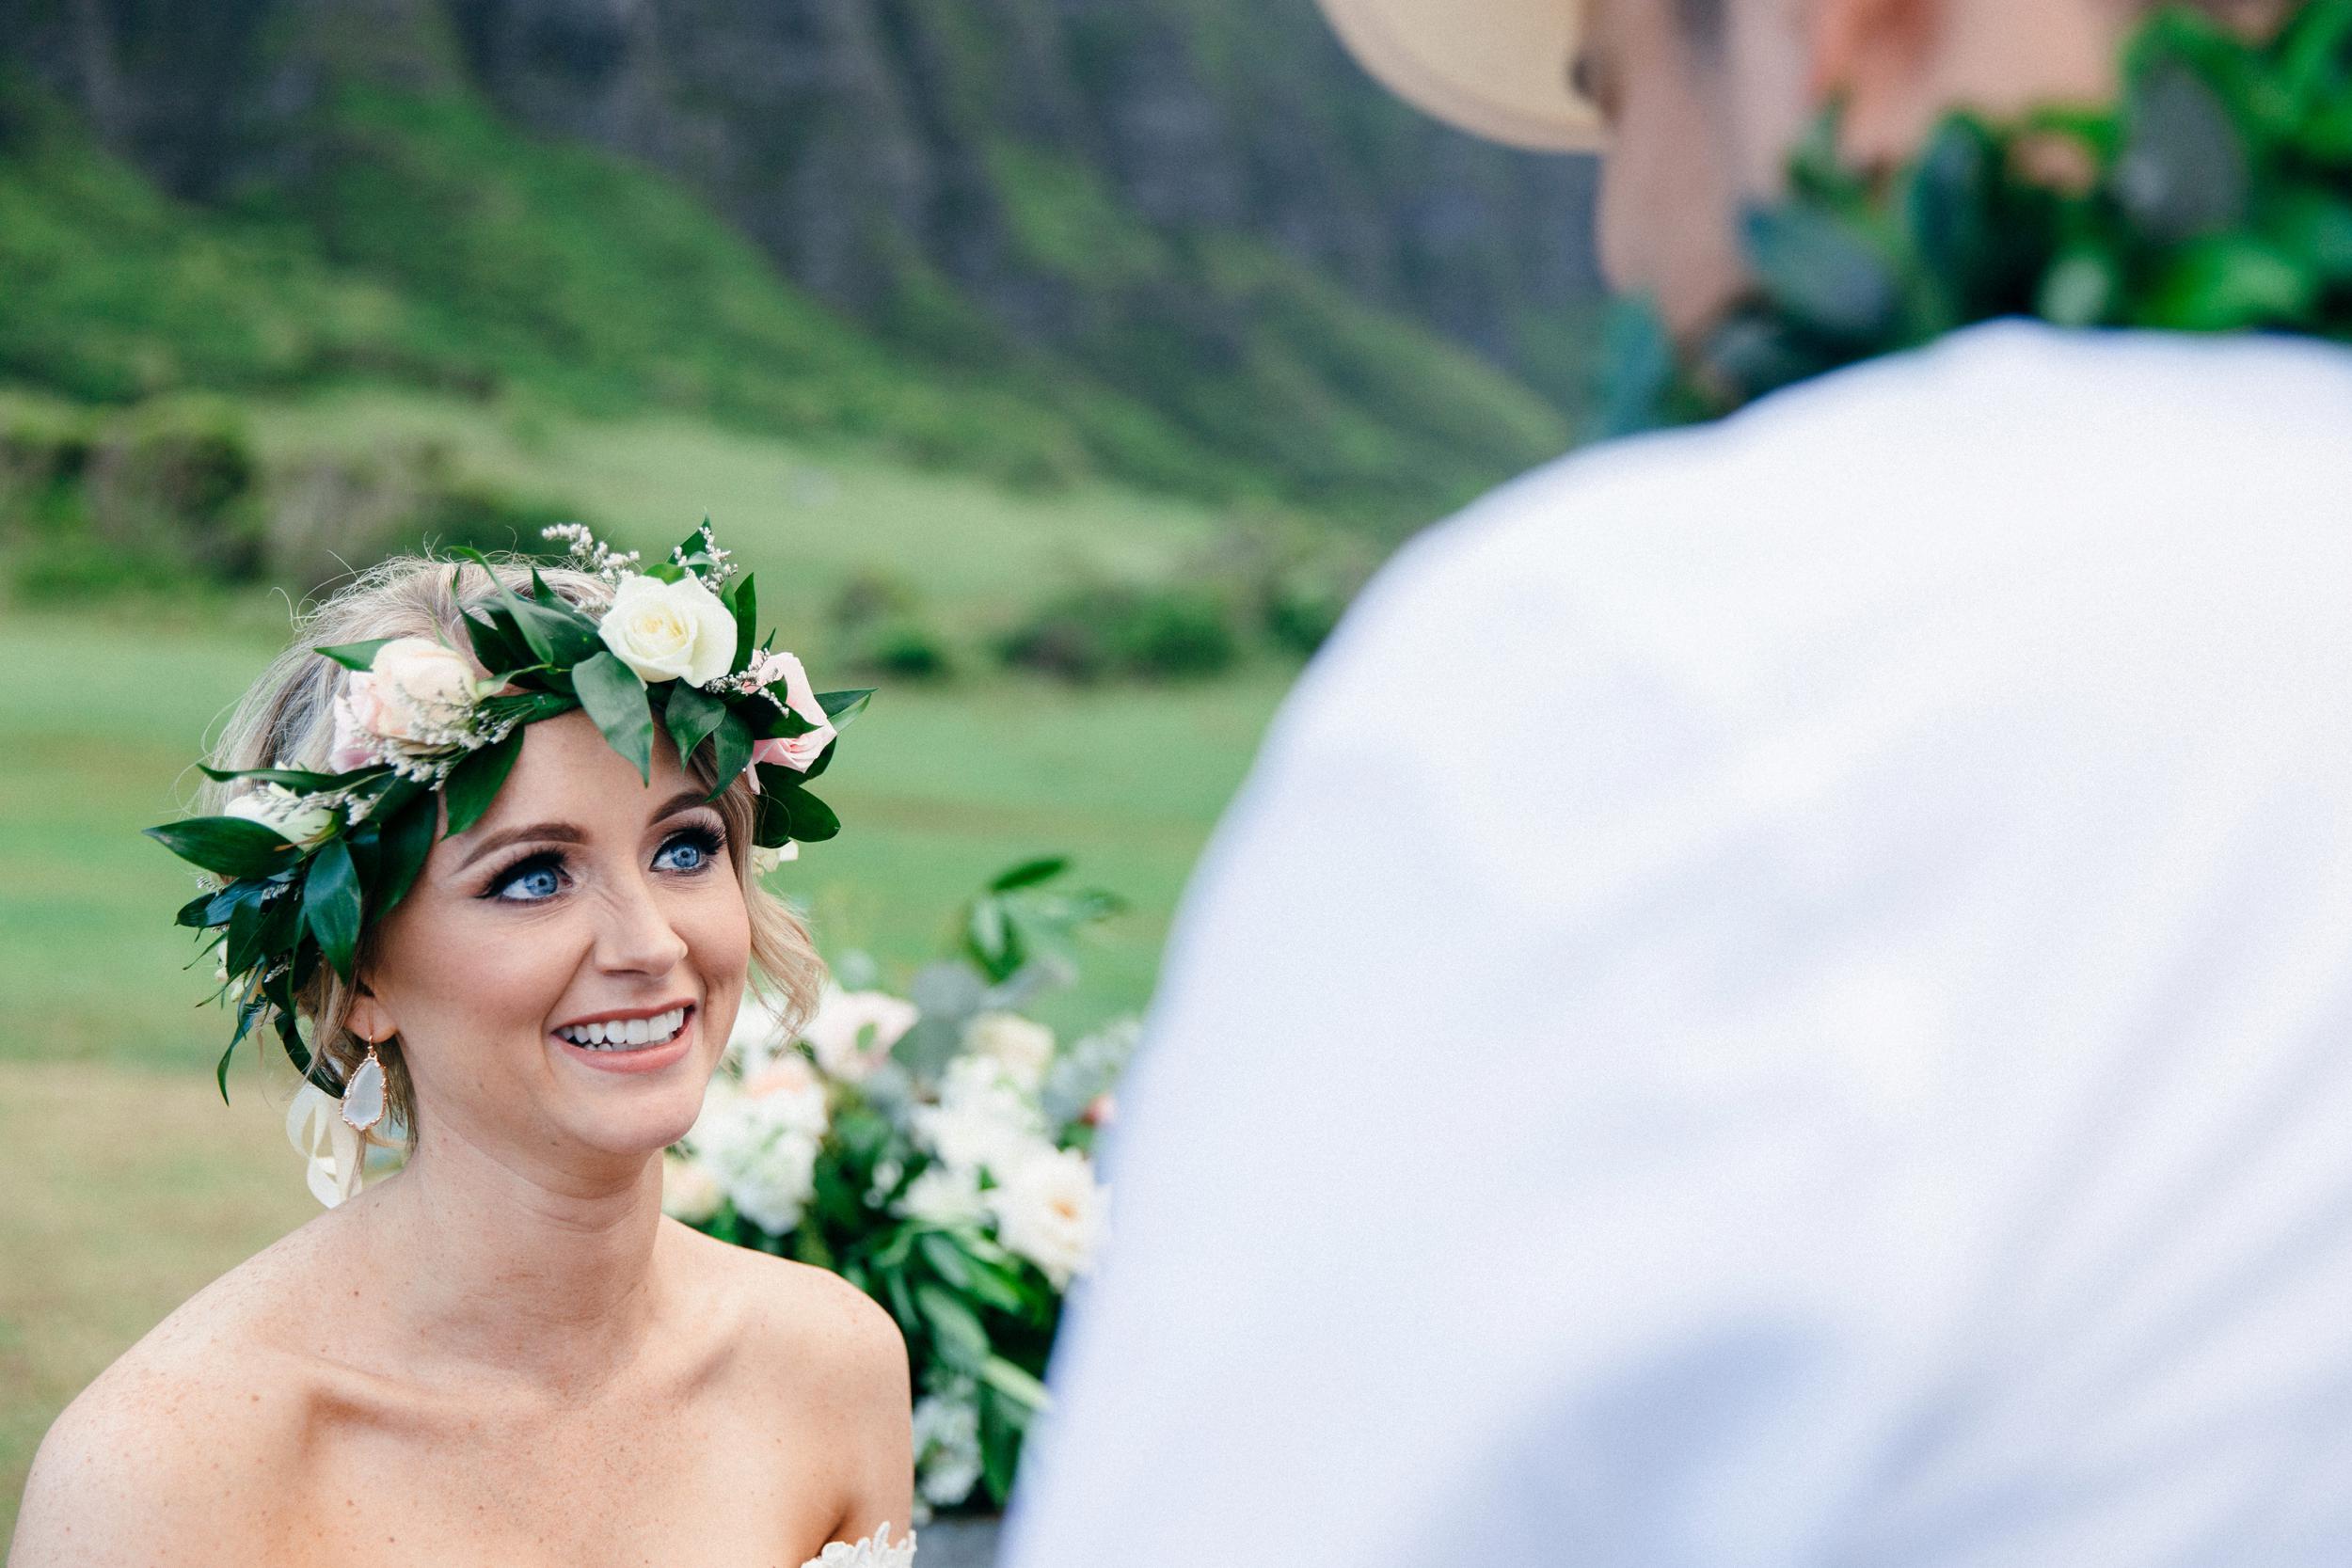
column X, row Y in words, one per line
column 492, row 1266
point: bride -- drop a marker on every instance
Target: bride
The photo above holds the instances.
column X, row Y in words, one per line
column 505, row 1353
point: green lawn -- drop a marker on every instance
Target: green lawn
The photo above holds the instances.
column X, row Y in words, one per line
column 110, row 1214
column 939, row 788
column 803, row 516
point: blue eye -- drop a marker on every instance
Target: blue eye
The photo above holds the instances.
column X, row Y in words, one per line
column 700, row 846
column 541, row 874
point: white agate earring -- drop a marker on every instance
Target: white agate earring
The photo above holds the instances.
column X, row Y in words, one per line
column 363, row 1096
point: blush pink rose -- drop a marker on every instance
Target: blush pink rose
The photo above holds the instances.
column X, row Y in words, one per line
column 413, row 687
column 799, row 752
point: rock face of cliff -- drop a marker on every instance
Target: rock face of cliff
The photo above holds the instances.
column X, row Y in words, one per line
column 1199, row 203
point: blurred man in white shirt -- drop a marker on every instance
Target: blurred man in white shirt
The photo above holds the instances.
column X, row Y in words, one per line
column 1782, row 994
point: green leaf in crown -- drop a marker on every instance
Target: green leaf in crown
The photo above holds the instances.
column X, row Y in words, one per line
column 303, row 858
column 2216, row 194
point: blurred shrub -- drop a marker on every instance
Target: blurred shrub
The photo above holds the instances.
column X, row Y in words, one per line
column 885, row 631
column 173, row 493
column 1151, row 633
column 1303, row 606
column 168, row 493
column 870, row 595
column 1293, row 576
column 907, row 650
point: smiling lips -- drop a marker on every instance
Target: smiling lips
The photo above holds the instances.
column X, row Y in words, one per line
column 627, row 1034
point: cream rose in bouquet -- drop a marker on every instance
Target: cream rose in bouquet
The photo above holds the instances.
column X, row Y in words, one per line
column 936, row 1149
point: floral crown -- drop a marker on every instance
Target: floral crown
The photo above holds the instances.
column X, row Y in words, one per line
column 302, row 860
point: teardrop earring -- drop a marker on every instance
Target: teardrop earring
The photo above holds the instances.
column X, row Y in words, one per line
column 363, row 1097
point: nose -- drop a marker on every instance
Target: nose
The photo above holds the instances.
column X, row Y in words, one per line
column 636, row 935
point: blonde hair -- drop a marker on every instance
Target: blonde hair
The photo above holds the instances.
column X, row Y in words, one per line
column 286, row 719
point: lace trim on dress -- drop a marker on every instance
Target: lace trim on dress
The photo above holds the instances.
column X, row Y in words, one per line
column 875, row 1551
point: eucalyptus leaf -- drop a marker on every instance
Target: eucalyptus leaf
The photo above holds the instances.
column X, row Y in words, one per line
column 2228, row 283
column 955, row 1329
column 946, row 1258
column 1030, row 872
column 1824, row 272
column 1015, row 1384
column 2184, row 171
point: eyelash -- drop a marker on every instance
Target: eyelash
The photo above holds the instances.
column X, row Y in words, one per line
column 710, row 840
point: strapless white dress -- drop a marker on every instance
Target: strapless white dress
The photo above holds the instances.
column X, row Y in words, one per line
column 875, row 1551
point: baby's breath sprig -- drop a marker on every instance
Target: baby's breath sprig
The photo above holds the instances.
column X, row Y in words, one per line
column 706, row 561
column 592, row 554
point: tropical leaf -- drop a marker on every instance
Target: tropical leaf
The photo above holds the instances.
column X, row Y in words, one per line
column 331, row 905
column 227, row 846
column 473, row 784
column 355, row 656
column 623, row 710
column 690, row 714
column 842, row 706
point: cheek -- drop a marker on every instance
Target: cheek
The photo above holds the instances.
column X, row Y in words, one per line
column 1668, row 215
column 717, row 928
column 458, row 973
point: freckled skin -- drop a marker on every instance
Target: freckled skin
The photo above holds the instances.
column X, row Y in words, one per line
column 506, row 1355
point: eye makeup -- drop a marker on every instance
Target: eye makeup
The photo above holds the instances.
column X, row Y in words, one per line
column 708, row 838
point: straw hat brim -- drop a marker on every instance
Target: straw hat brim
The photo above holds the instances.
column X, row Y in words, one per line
column 1497, row 69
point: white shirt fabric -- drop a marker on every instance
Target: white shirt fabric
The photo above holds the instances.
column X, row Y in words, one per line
column 1781, row 994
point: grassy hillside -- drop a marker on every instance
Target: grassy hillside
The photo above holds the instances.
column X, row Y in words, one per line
column 422, row 242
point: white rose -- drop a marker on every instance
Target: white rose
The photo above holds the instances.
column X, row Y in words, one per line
column 669, row 630
column 689, row 1192
column 773, row 1191
column 947, row 1445
column 786, row 1093
column 299, row 818
column 982, row 1118
column 1050, row 1210
column 428, row 684
column 946, row 1198
column 762, row 1150
column 765, row 859
column 853, row 1031
column 1020, row 1045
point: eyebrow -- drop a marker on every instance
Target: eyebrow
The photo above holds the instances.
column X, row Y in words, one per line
column 566, row 833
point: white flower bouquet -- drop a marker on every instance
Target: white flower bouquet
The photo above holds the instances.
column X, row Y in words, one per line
column 935, row 1150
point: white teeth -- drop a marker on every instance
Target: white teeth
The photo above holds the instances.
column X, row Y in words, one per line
column 623, row 1033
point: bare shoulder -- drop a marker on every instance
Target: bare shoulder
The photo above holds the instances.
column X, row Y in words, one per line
column 823, row 1335
column 156, row 1462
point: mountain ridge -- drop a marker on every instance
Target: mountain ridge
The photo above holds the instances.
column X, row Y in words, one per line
column 1183, row 218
